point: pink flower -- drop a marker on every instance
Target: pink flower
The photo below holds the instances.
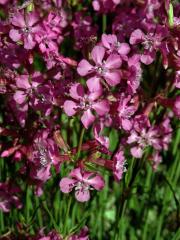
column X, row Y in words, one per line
column 126, row 109
column 155, row 159
column 83, row 182
column 3, row 2
column 42, row 154
column 176, row 106
column 32, row 91
column 26, row 28
column 134, row 73
column 107, row 69
column 152, row 42
column 177, row 79
column 142, row 135
column 46, row 40
column 119, row 165
column 111, row 42
column 83, row 235
column 85, row 103
column 26, row 87
column 84, row 31
column 97, row 130
column 105, row 5
column 8, row 196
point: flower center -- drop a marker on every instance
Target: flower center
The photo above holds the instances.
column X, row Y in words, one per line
column 27, row 29
column 82, row 186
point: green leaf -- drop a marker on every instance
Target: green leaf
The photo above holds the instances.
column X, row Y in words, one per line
column 114, row 139
column 171, row 15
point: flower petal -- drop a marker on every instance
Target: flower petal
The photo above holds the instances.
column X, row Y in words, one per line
column 148, row 57
column 105, row 40
column 103, row 140
column 29, row 43
column 84, row 68
column 137, row 152
column 15, row 35
column 19, row 97
column 76, row 173
column 113, row 61
column 136, row 37
column 118, row 166
column 96, row 182
column 23, row 82
column 101, row 107
column 94, row 84
column 18, row 20
column 112, row 78
column 82, row 195
column 70, row 107
column 66, row 184
column 126, row 124
column 76, row 91
column 32, row 18
column 87, row 118
column 124, row 49
column 97, row 54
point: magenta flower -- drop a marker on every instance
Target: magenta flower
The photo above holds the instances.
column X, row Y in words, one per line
column 43, row 154
column 176, row 106
column 119, row 165
column 177, row 79
column 83, row 182
column 126, row 110
column 134, row 74
column 26, row 28
column 52, row 235
column 105, row 5
column 97, row 130
column 33, row 92
column 8, row 196
column 3, row 2
column 142, row 135
column 82, row 235
column 85, row 103
column 26, row 87
column 107, row 69
column 84, row 31
column 152, row 42
column 45, row 150
column 47, row 40
column 111, row 42
column 155, row 159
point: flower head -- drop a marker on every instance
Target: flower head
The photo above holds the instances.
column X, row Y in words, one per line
column 83, row 182
column 105, row 68
column 26, row 26
column 85, row 103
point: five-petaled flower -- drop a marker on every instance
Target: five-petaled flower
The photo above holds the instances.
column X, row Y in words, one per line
column 83, row 181
column 104, row 68
column 26, row 27
column 85, row 103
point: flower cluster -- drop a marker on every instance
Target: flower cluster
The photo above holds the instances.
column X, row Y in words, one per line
column 57, row 64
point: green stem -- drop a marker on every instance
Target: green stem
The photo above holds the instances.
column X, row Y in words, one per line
column 167, row 190
column 2, row 227
column 67, row 216
column 39, row 214
column 80, row 143
column 50, row 215
column 124, row 200
column 27, row 209
column 146, row 212
column 104, row 23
